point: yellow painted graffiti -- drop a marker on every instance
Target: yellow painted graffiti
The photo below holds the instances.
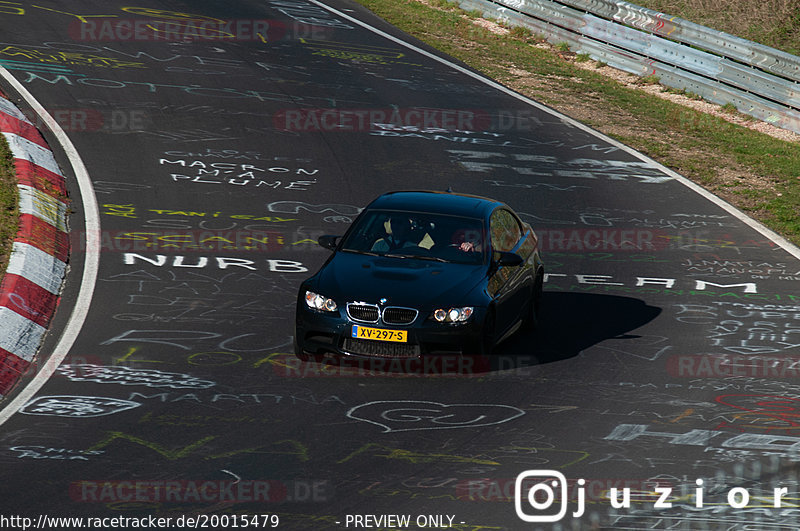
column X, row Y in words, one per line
column 295, row 448
column 9, row 8
column 163, row 451
column 285, row 447
column 239, row 240
column 126, row 358
column 163, row 14
column 131, row 211
column 67, row 58
column 82, row 18
column 379, row 450
column 124, row 211
column 185, row 24
column 356, row 53
column 159, row 20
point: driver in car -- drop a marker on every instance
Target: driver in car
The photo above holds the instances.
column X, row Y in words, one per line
column 399, row 235
column 467, row 241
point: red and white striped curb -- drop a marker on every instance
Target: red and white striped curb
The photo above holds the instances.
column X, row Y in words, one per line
column 29, row 291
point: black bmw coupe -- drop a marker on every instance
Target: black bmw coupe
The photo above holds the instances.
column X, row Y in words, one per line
column 422, row 273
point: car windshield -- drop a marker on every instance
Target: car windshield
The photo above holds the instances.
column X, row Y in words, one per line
column 416, row 235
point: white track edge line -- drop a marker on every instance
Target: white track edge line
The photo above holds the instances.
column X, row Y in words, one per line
column 92, row 216
column 91, row 257
column 785, row 244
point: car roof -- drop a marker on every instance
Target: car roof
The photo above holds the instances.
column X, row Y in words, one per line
column 449, row 203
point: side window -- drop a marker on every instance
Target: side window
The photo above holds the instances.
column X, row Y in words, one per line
column 505, row 230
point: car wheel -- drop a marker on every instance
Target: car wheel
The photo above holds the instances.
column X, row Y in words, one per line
column 531, row 319
column 489, row 333
column 302, row 355
column 298, row 352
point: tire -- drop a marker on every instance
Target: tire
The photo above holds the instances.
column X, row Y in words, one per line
column 531, row 320
column 298, row 352
column 304, row 356
column 489, row 334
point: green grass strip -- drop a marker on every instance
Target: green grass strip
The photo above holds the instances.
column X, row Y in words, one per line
column 9, row 201
column 755, row 172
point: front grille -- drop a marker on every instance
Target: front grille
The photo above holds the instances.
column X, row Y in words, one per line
column 364, row 313
column 399, row 316
column 371, row 313
column 380, row 349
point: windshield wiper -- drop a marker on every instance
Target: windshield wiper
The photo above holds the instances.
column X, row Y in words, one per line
column 356, row 251
column 420, row 257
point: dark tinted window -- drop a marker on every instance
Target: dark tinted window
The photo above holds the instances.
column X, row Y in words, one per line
column 418, row 235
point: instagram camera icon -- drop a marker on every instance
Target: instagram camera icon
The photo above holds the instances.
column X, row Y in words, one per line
column 537, row 488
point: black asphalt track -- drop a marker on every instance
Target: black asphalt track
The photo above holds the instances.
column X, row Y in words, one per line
column 666, row 351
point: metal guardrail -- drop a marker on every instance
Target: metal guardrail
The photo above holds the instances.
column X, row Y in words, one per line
column 678, row 29
column 721, row 68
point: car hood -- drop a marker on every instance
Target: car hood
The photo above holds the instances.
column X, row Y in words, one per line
column 403, row 281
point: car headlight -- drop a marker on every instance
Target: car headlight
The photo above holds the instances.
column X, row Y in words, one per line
column 453, row 315
column 320, row 302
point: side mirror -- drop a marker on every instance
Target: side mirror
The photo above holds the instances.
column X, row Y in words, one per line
column 328, row 241
column 508, row 259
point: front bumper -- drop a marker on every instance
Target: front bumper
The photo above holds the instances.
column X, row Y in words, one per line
column 318, row 332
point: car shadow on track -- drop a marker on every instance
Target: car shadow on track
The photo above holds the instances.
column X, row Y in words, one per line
column 570, row 323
